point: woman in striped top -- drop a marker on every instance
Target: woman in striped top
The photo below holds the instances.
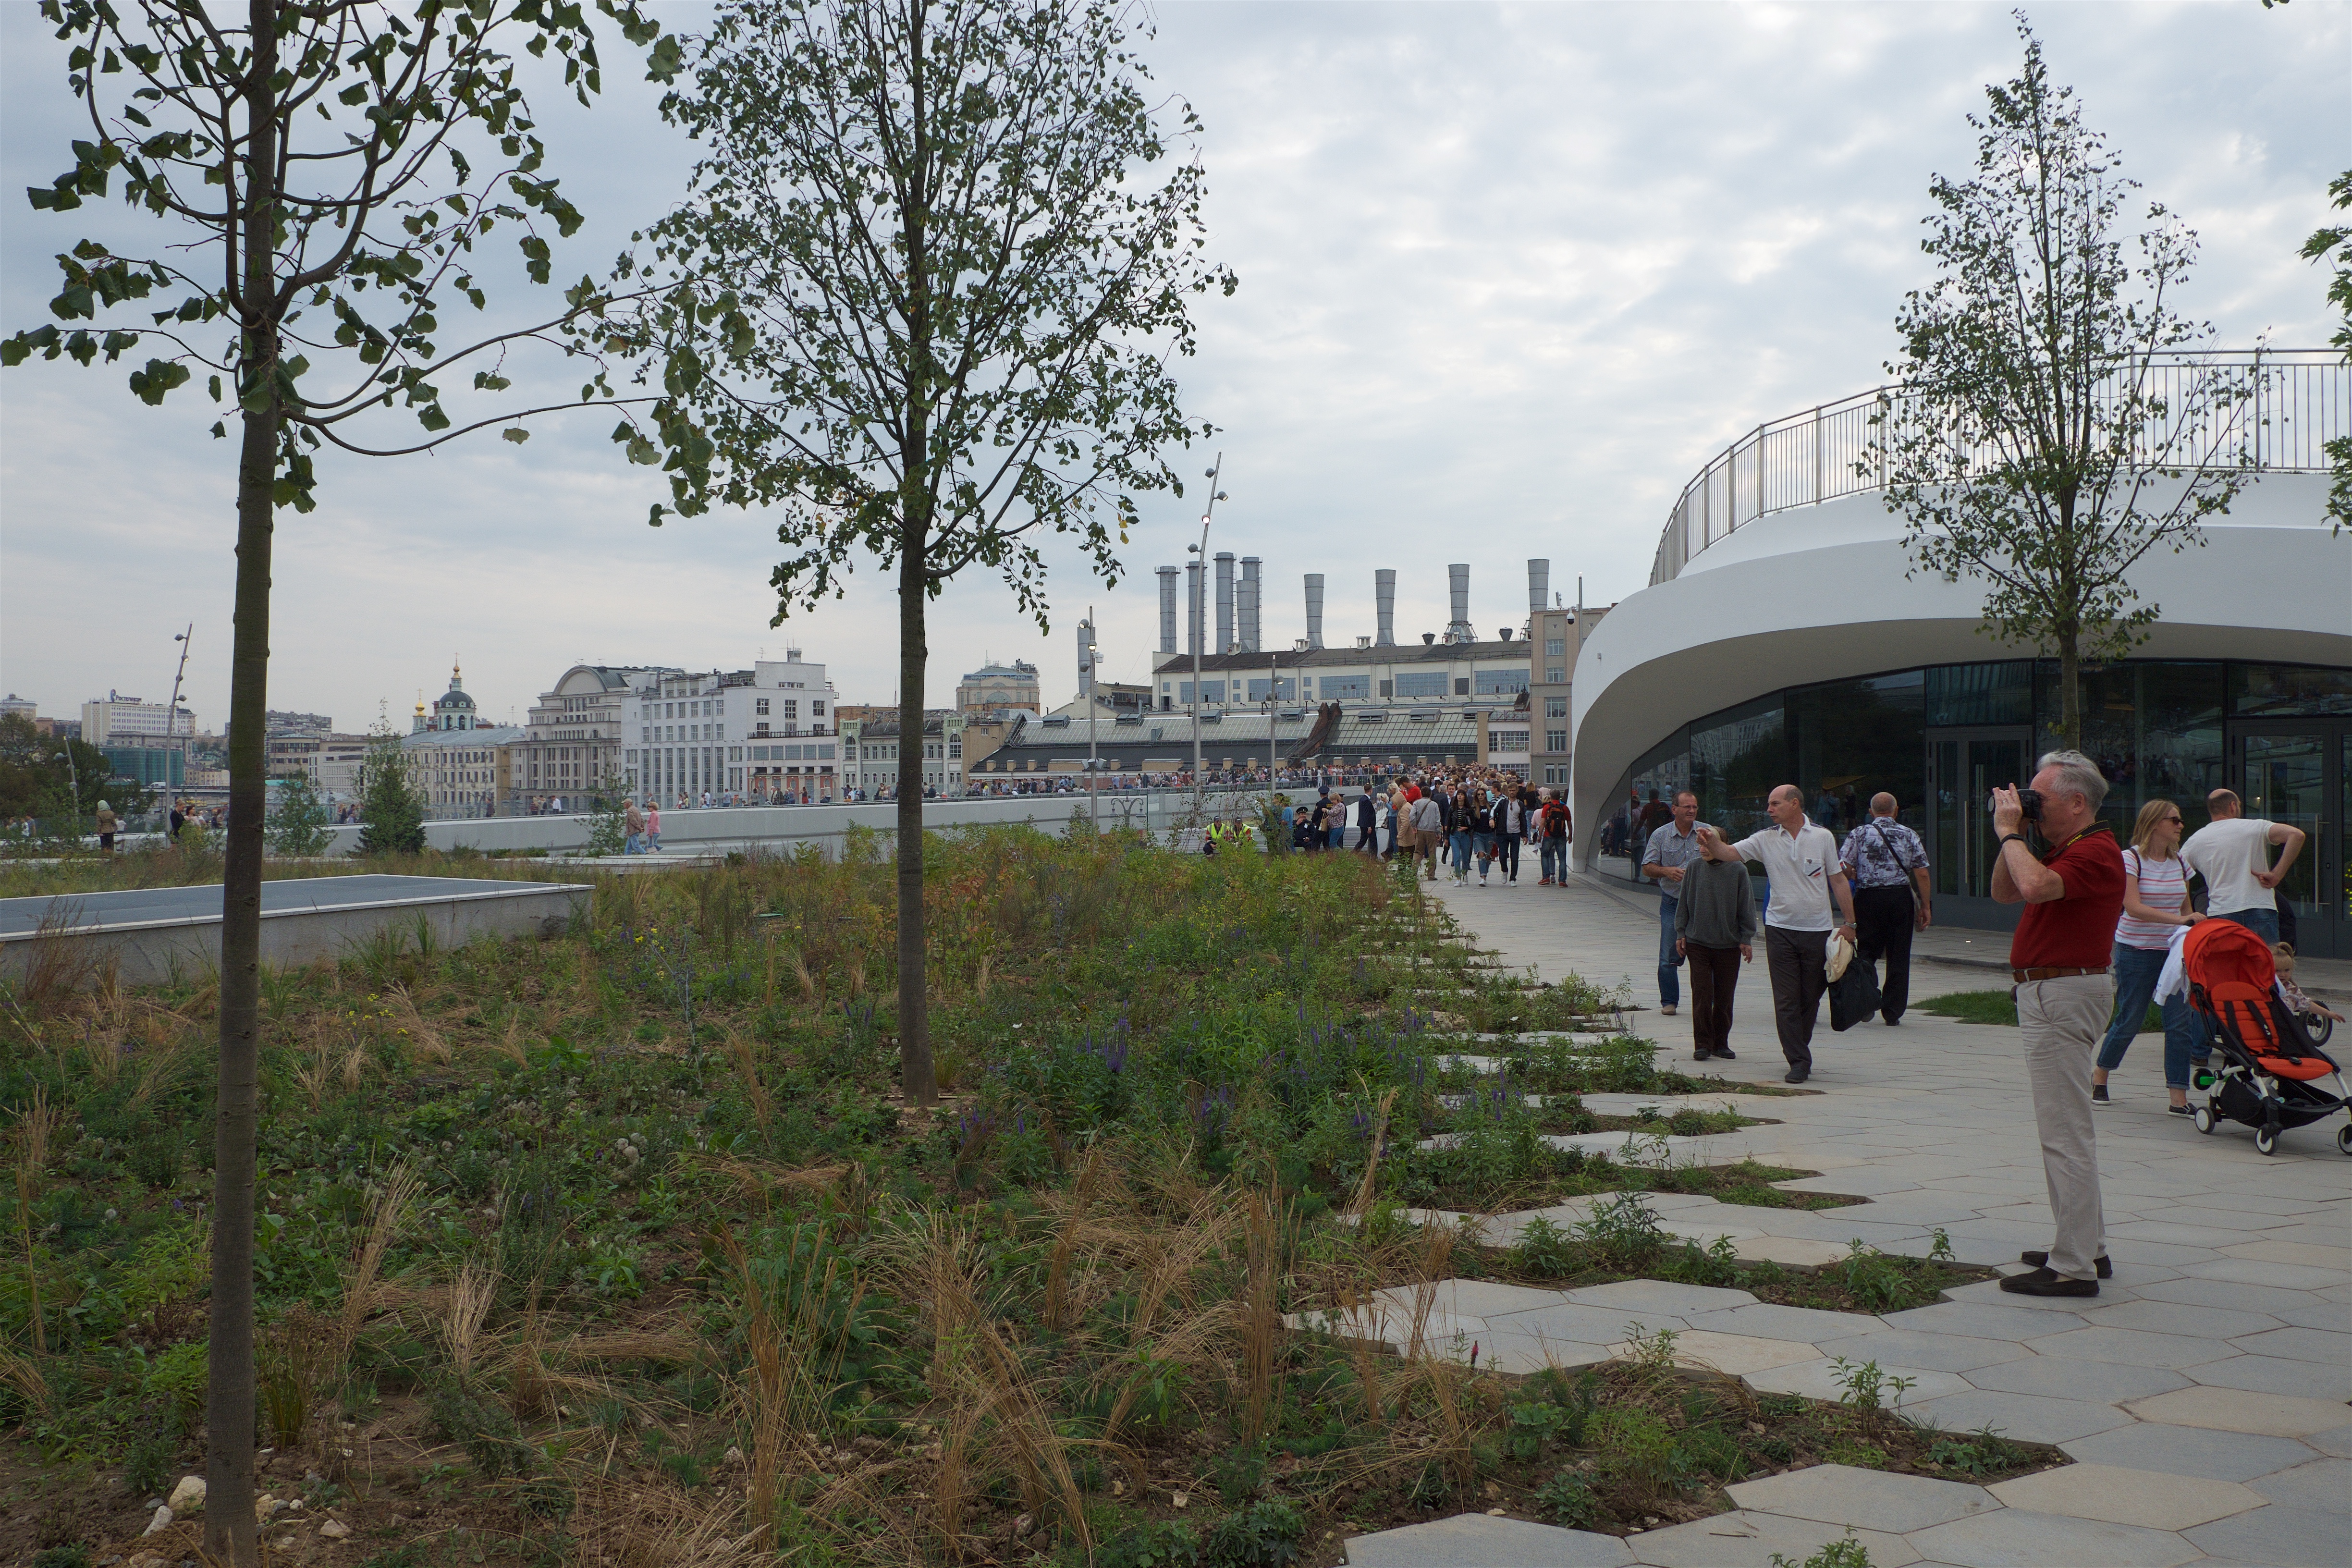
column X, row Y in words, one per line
column 2156, row 903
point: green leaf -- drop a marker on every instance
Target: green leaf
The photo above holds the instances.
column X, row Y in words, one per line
column 160, row 377
column 518, row 434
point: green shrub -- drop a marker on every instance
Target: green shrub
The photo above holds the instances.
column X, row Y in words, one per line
column 180, row 1376
column 76, row 1555
column 1163, row 1543
column 1545, row 1252
column 1623, row 1232
column 1568, row 1499
column 1843, row 1552
column 481, row 1425
column 1262, row 1535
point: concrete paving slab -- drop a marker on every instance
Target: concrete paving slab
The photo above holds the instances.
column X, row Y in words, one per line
column 2276, row 1374
column 1816, row 1379
column 1589, row 1325
column 2257, row 1272
column 1983, row 1320
column 1660, row 1296
column 2021, row 1538
column 2177, row 1318
column 1987, row 1292
column 1481, row 1541
column 2337, row 1441
column 1735, row 1355
column 1788, row 1249
column 2299, row 1344
column 2028, row 1417
column 2135, row 1346
column 1777, row 1322
column 2307, row 1246
column 2336, row 1317
column 2323, row 1483
column 1846, row 1494
column 2266, row 1299
column 2152, row 1499
column 2063, row 1377
column 2278, row 1537
column 2190, row 1451
column 1748, row 1538
column 1913, row 1347
column 2240, row 1410
column 1474, row 1298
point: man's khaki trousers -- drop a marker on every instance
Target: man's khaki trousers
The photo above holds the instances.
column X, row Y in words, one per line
column 2061, row 1022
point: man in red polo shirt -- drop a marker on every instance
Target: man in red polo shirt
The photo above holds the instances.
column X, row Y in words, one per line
column 2072, row 895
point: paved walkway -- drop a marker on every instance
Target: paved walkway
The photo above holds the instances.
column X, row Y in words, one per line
column 2203, row 1394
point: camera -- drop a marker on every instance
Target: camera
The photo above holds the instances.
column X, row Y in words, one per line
column 2029, row 801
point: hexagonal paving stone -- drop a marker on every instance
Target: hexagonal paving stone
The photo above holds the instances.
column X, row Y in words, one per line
column 2335, row 1440
column 2021, row 1538
column 1987, row 1292
column 2254, row 1271
column 2190, row 1451
column 2334, row 1316
column 1791, row 1249
column 1589, row 1325
column 2028, row 1417
column 1732, row 1354
column 2323, row 1483
column 1942, row 1353
column 1818, row 1380
column 2175, row 1317
column 1985, row 1319
column 2150, row 1498
column 1776, row 1323
column 2276, row 1374
column 1746, row 1538
column 2278, row 1537
column 2240, row 1410
column 1843, row 1494
column 2300, row 1344
column 1660, row 1296
column 2137, row 1347
column 2064, row 1377
column 1474, row 1298
column 1481, row 1541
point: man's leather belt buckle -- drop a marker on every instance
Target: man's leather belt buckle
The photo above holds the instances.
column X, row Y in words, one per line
column 2025, row 976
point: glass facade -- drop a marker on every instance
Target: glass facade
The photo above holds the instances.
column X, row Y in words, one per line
column 1938, row 739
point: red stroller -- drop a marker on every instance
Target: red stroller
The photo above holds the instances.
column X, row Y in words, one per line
column 2266, row 1070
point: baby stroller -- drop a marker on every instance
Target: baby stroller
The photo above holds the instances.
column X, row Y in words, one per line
column 2266, row 1071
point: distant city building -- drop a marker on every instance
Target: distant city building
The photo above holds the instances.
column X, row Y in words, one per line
column 870, row 752
column 995, row 685
column 278, row 723
column 453, row 710
column 23, row 706
column 768, row 733
column 131, row 721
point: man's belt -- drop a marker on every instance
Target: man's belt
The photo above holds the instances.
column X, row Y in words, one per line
column 2025, row 976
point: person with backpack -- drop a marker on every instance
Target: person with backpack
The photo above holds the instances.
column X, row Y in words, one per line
column 1508, row 817
column 1885, row 861
column 1551, row 845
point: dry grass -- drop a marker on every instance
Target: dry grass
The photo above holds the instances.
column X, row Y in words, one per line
column 755, row 1089
column 471, row 1295
column 36, row 1127
column 362, row 1282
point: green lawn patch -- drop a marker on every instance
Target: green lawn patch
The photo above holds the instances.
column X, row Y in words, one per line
column 1996, row 1007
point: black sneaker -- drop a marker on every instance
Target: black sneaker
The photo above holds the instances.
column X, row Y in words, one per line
column 1725, row 1053
column 2042, row 1282
column 2177, row 1110
column 1701, row 1056
column 2099, row 1095
column 2101, row 1265
column 1797, row 1075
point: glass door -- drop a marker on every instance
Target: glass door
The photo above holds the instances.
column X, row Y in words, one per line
column 2294, row 772
column 1964, row 767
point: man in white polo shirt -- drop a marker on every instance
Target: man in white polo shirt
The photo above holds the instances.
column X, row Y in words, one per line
column 1800, row 861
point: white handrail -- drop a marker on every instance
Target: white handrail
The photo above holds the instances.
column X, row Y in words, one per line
column 2303, row 399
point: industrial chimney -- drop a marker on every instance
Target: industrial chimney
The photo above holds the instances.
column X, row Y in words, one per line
column 1538, row 584
column 1458, row 630
column 1315, row 609
column 1225, row 602
column 1191, row 607
column 1168, row 609
column 1385, row 592
column 1249, row 602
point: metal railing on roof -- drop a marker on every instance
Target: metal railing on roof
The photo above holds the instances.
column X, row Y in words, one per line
column 2303, row 399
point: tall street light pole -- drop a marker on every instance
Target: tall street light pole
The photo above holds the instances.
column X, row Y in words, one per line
column 1199, row 609
column 1094, row 757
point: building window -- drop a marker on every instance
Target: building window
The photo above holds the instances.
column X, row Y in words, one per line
column 1555, row 740
column 1555, row 707
column 758, row 705
column 1422, row 684
column 1554, row 674
column 1555, row 647
column 1497, row 683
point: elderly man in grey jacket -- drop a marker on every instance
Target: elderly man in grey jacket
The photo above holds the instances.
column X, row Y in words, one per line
column 1715, row 929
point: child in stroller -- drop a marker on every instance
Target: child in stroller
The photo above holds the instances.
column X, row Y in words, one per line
column 2266, row 1071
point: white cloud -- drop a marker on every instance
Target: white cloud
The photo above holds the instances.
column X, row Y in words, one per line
column 1508, row 275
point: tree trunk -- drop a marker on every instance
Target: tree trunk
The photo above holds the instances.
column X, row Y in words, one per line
column 914, row 1017
column 2069, row 690
column 230, row 1534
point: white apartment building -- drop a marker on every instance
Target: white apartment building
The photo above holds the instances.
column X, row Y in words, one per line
column 129, row 721
column 768, row 733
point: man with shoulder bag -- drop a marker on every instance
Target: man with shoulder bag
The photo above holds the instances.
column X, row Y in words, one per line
column 1886, row 863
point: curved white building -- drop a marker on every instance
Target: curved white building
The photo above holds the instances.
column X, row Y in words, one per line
column 1788, row 639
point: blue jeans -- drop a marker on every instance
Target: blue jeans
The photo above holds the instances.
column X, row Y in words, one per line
column 1555, row 860
column 1670, row 984
column 2264, row 923
column 2135, row 971
column 1458, row 846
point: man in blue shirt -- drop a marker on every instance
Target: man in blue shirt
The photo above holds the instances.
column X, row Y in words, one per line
column 1670, row 848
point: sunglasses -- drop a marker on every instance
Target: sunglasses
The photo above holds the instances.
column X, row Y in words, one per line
column 2175, row 821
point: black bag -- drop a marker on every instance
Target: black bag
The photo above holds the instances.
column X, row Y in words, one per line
column 1853, row 995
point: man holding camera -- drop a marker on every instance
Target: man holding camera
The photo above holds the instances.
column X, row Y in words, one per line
column 2073, row 894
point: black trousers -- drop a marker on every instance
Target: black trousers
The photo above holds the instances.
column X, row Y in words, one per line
column 1799, row 962
column 1883, row 925
column 1714, row 977
column 1506, row 856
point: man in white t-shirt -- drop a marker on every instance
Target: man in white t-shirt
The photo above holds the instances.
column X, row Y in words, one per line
column 1800, row 861
column 2233, row 852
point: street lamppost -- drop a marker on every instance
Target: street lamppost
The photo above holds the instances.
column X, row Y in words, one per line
column 1198, row 610
column 1093, row 758
column 73, row 807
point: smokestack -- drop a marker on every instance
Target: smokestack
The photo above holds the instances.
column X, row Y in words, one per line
column 1458, row 628
column 1086, row 660
column 1191, row 607
column 1250, row 602
column 1384, row 591
column 1538, row 584
column 1315, row 609
column 1168, row 609
column 1224, row 601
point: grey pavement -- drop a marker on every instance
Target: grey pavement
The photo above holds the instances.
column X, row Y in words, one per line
column 2205, row 1394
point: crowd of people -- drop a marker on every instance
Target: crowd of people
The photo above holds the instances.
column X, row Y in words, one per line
column 2098, row 921
column 1455, row 817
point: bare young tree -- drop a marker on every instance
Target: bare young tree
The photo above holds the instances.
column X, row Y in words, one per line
column 2054, row 421
column 313, row 163
column 930, row 315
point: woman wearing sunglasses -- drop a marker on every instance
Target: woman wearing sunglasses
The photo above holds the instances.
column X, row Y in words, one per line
column 2156, row 903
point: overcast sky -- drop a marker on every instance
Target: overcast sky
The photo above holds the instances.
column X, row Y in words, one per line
column 1507, row 276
